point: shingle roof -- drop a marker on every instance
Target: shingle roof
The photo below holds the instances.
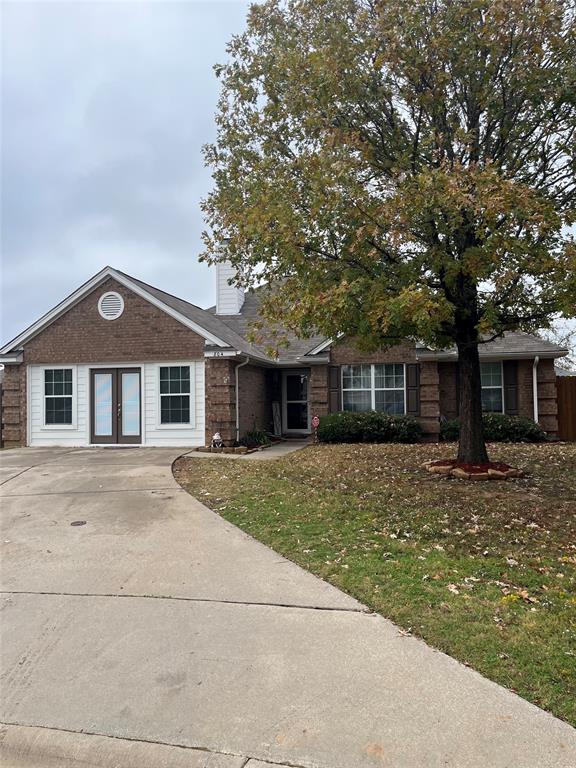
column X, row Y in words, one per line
column 242, row 324
column 511, row 344
column 235, row 329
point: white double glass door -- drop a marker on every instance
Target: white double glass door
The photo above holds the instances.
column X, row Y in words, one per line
column 116, row 412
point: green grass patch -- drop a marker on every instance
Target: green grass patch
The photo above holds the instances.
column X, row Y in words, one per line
column 484, row 571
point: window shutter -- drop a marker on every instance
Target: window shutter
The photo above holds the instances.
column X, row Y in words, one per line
column 335, row 390
column 413, row 389
column 510, row 387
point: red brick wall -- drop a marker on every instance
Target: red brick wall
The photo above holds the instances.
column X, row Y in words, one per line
column 141, row 333
column 255, row 403
column 346, row 353
column 14, row 406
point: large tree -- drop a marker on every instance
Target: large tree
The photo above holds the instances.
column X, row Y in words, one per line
column 402, row 169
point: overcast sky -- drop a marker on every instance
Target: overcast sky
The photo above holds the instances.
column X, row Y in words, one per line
column 105, row 108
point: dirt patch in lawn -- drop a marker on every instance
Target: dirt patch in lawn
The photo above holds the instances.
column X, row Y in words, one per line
column 483, row 571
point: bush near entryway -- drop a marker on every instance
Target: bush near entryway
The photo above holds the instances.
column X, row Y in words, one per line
column 499, row 428
column 368, row 427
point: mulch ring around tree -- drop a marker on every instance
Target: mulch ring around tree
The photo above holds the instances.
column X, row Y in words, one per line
column 489, row 471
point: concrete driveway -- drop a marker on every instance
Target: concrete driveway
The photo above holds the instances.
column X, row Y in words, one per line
column 153, row 633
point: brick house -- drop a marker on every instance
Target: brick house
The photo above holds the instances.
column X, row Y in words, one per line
column 121, row 362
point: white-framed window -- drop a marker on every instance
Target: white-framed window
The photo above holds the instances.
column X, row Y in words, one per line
column 174, row 383
column 492, row 378
column 378, row 387
column 58, row 397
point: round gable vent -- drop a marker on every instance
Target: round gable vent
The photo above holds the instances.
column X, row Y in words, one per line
column 110, row 305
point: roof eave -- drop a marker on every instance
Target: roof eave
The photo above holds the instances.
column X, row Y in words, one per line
column 14, row 358
column 448, row 356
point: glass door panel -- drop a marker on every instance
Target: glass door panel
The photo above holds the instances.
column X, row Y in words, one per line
column 103, row 404
column 297, row 416
column 130, row 408
column 295, row 396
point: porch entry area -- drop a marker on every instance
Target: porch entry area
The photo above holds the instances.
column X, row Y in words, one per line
column 115, row 405
column 295, row 402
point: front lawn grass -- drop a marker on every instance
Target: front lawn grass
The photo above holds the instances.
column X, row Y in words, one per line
column 484, row 571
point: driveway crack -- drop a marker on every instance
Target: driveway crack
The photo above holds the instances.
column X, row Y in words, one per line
column 326, row 608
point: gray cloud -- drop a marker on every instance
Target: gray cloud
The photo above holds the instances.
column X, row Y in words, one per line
column 105, row 108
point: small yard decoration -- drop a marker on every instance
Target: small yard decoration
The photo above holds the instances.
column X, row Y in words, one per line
column 315, row 425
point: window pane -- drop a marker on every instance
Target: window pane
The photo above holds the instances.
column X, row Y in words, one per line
column 296, row 387
column 58, row 381
column 174, row 379
column 356, row 401
column 491, row 374
column 175, row 409
column 389, row 376
column 48, row 379
column 58, row 410
column 492, row 400
column 356, row 377
column 390, row 401
column 297, row 416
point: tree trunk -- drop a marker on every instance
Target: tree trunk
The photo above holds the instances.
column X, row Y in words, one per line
column 471, row 448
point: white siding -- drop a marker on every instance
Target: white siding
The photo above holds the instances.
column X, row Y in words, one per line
column 41, row 435
column 153, row 433
column 229, row 298
column 170, row 434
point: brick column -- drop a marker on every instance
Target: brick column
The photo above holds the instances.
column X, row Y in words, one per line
column 430, row 400
column 220, row 400
column 319, row 390
column 547, row 397
column 14, row 406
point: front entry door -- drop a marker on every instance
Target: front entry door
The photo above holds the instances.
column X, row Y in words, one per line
column 115, row 405
column 295, row 401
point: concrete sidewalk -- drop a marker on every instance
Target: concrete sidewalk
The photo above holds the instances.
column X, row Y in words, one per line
column 157, row 634
column 275, row 451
